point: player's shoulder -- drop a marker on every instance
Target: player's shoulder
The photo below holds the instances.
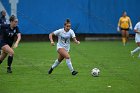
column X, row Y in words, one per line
column 61, row 29
column 58, row 31
column 121, row 17
column 127, row 17
column 138, row 23
column 71, row 30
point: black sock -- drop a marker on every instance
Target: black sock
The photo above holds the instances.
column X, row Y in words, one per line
column 0, row 61
column 10, row 59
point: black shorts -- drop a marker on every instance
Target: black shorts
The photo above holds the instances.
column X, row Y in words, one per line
column 126, row 29
column 2, row 43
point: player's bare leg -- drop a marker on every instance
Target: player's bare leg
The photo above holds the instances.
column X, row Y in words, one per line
column 127, row 36
column 2, row 56
column 66, row 55
column 10, row 52
column 123, row 37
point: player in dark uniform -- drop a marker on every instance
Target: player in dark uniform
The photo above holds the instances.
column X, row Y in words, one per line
column 2, row 21
column 9, row 32
column 3, row 17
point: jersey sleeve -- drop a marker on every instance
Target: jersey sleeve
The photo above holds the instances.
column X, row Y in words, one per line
column 130, row 23
column 119, row 23
column 72, row 34
column 57, row 32
column 136, row 27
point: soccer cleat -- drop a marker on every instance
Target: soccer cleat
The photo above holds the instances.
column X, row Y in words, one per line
column 9, row 70
column 50, row 70
column 74, row 72
column 0, row 62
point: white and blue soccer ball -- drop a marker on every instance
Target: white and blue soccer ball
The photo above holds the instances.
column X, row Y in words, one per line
column 95, row 72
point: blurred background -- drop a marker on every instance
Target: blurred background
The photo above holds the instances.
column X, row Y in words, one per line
column 91, row 19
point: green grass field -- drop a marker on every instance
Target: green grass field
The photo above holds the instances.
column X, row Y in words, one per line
column 33, row 59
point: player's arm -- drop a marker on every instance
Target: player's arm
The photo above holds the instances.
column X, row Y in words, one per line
column 18, row 40
column 136, row 31
column 74, row 37
column 75, row 40
column 136, row 28
column 51, row 38
column 119, row 24
column 130, row 24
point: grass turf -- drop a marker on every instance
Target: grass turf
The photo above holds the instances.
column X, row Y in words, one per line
column 32, row 60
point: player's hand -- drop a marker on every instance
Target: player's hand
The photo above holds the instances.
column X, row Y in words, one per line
column 118, row 29
column 138, row 32
column 78, row 42
column 15, row 45
column 130, row 28
column 52, row 43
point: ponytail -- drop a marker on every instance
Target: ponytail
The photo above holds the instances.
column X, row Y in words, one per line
column 67, row 21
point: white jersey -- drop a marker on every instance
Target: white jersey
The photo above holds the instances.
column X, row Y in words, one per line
column 64, row 38
column 137, row 36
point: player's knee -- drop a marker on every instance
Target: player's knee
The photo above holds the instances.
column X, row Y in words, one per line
column 60, row 60
column 11, row 53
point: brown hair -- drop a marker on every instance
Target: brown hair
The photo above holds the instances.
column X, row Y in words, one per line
column 2, row 11
column 12, row 18
column 67, row 21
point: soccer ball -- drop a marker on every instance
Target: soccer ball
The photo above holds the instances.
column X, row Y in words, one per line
column 95, row 72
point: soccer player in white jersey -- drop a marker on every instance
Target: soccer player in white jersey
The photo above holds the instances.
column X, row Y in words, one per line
column 63, row 46
column 137, row 39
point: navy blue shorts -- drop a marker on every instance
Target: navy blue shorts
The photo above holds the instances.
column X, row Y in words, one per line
column 2, row 43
